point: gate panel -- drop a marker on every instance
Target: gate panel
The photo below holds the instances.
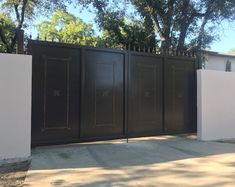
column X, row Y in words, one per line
column 55, row 94
column 145, row 97
column 102, row 108
column 180, row 95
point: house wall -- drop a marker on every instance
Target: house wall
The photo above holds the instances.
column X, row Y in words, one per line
column 216, row 62
column 15, row 106
column 216, row 104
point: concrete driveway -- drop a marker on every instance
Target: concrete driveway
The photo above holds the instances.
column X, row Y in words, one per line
column 153, row 161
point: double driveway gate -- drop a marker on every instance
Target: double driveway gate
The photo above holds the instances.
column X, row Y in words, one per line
column 87, row 93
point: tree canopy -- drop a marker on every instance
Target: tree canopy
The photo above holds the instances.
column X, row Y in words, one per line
column 122, row 32
column 232, row 51
column 176, row 23
column 65, row 27
column 21, row 10
column 7, row 29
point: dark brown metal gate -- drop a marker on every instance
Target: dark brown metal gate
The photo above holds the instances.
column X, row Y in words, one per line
column 102, row 94
column 55, row 93
column 179, row 95
column 87, row 93
column 145, row 114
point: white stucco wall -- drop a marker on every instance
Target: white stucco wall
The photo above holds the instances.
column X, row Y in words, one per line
column 215, row 62
column 216, row 104
column 15, row 106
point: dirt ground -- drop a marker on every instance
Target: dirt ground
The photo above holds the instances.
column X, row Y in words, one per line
column 13, row 174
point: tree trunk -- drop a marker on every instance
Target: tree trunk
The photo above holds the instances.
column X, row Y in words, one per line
column 148, row 23
column 184, row 25
column 201, row 33
column 183, row 33
column 165, row 43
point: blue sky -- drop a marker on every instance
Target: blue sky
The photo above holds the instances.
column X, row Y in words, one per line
column 227, row 38
column 224, row 44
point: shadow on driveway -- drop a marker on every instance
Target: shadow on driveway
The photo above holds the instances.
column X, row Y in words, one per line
column 152, row 161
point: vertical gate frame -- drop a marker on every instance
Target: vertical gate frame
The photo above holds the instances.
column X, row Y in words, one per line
column 127, row 80
column 163, row 93
column 82, row 81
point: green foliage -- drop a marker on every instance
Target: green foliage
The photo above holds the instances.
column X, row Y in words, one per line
column 31, row 8
column 118, row 32
column 177, row 23
column 7, row 28
column 232, row 51
column 22, row 13
column 65, row 27
column 120, row 29
column 122, row 33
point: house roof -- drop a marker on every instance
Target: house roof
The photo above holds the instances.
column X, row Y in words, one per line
column 214, row 53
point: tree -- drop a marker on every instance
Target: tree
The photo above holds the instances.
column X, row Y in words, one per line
column 178, row 23
column 65, row 27
column 7, row 28
column 122, row 33
column 232, row 51
column 120, row 30
column 22, row 10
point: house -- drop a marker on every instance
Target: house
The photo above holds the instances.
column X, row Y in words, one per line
column 212, row 60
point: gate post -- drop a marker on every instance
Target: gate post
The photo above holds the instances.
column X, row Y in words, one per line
column 20, row 41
